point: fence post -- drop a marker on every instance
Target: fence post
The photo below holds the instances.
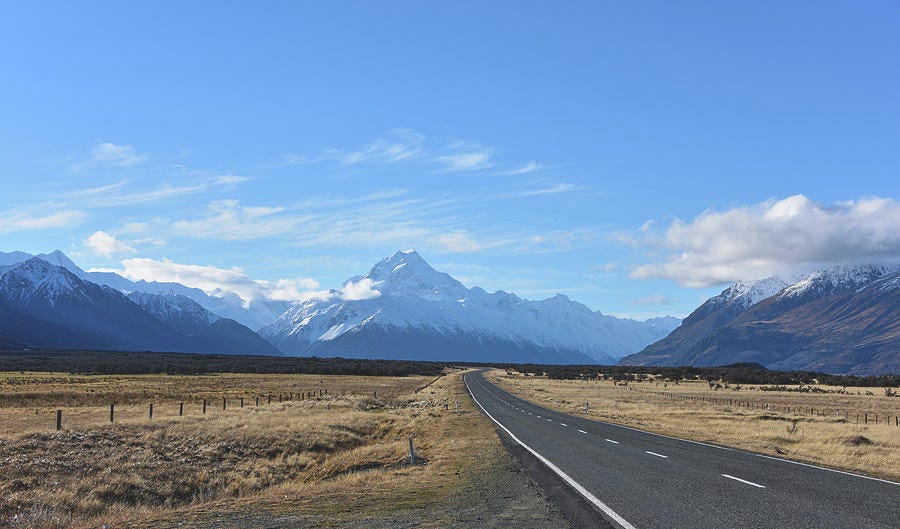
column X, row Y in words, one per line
column 242, row 402
column 587, row 407
column 180, row 409
column 457, row 406
column 151, row 410
column 257, row 400
column 224, row 402
column 270, row 399
column 59, row 425
column 112, row 411
column 204, row 406
column 412, row 450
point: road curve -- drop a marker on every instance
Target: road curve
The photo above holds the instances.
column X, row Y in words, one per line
column 641, row 480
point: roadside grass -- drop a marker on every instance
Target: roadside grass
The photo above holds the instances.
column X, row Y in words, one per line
column 822, row 436
column 338, row 461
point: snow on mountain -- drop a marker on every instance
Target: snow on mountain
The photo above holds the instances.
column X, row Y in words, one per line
column 840, row 319
column 407, row 298
column 45, row 305
column 254, row 314
column 837, row 279
column 173, row 307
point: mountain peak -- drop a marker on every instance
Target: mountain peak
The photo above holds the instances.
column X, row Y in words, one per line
column 410, row 260
column 58, row 258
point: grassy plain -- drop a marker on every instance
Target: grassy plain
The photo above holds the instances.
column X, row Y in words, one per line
column 814, row 427
column 336, row 461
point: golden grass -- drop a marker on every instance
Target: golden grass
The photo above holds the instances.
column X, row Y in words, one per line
column 336, row 460
column 800, row 426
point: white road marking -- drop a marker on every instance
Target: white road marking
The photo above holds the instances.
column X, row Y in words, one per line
column 582, row 431
column 563, row 424
column 529, row 413
column 551, row 420
column 655, row 454
column 757, row 485
column 611, row 441
column 623, row 523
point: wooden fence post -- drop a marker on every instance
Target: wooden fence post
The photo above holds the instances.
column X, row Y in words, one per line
column 180, row 409
column 224, row 402
column 112, row 411
column 151, row 410
column 412, row 451
column 257, row 400
column 59, row 423
column 204, row 406
column 242, row 402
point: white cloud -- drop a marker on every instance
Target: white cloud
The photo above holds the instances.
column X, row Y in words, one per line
column 775, row 236
column 106, row 245
column 106, row 153
column 361, row 289
column 215, row 280
column 15, row 221
column 467, row 161
column 529, row 167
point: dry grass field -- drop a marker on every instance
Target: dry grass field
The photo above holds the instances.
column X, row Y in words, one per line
column 339, row 460
column 814, row 427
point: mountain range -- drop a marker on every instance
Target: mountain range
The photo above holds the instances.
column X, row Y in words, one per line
column 844, row 319
column 405, row 310
column 414, row 311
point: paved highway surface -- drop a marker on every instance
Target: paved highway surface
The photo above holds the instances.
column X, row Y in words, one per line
column 644, row 481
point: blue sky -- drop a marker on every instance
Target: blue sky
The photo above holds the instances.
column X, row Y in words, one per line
column 635, row 157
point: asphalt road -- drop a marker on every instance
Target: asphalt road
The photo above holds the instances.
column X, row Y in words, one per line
column 643, row 480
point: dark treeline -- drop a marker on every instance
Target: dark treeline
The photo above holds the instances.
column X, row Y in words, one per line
column 137, row 363
column 133, row 363
column 732, row 374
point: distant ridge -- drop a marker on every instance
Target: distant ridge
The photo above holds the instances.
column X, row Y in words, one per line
column 843, row 320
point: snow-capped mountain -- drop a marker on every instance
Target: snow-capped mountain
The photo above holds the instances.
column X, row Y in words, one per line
column 403, row 308
column 844, row 319
column 254, row 314
column 47, row 306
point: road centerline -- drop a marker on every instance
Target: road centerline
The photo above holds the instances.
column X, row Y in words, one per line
column 655, row 454
column 757, row 485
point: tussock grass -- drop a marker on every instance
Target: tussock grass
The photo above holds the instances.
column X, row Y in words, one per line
column 338, row 461
column 821, row 437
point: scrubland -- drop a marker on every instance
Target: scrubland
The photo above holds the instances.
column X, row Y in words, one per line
column 339, row 460
column 801, row 423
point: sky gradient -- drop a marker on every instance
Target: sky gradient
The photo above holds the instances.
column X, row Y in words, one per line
column 633, row 157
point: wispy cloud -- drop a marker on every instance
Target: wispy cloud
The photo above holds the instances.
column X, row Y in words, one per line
column 775, row 236
column 548, row 190
column 467, row 161
column 398, row 145
column 12, row 221
column 111, row 154
column 529, row 167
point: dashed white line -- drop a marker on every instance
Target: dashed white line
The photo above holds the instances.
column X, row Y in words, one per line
column 757, row 485
column 655, row 454
column 582, row 431
column 563, row 424
column 551, row 420
column 574, row 484
column 539, row 417
column 611, row 441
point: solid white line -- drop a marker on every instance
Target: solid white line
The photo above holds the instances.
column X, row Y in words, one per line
column 563, row 424
column 565, row 477
column 582, row 431
column 655, row 454
column 728, row 449
column 611, row 441
column 757, row 485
